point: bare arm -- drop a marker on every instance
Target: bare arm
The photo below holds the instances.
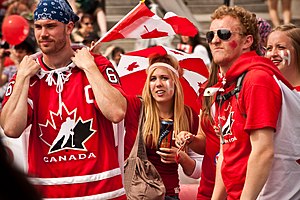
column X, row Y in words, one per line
column 219, row 189
column 187, row 163
column 196, row 143
column 259, row 163
column 110, row 101
column 14, row 113
column 191, row 163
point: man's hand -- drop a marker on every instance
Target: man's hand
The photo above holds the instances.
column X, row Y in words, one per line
column 83, row 59
column 28, row 67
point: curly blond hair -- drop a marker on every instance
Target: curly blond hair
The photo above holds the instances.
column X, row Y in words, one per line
column 247, row 20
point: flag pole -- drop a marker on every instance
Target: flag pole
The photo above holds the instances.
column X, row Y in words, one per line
column 110, row 30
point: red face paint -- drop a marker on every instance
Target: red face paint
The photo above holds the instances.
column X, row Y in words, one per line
column 233, row 44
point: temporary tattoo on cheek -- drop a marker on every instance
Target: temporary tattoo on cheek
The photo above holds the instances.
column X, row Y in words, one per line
column 233, row 44
column 268, row 54
column 286, row 58
column 169, row 87
column 151, row 86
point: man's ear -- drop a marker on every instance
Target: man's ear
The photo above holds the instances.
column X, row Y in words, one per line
column 248, row 42
column 69, row 27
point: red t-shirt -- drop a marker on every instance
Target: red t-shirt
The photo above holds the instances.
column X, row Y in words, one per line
column 257, row 107
column 71, row 151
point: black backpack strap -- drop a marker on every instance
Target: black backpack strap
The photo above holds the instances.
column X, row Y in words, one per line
column 235, row 91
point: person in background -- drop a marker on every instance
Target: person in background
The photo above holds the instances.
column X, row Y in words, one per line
column 16, row 54
column 85, row 29
column 72, row 90
column 95, row 8
column 245, row 121
column 165, row 116
column 205, row 143
column 12, row 177
column 5, row 47
column 116, row 55
column 196, row 46
column 283, row 49
column 264, row 29
column 18, row 7
column 286, row 11
column 90, row 40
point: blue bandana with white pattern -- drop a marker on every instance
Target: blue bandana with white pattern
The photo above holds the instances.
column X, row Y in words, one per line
column 59, row 10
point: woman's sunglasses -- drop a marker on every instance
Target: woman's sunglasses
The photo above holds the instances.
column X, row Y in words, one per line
column 223, row 34
column 88, row 23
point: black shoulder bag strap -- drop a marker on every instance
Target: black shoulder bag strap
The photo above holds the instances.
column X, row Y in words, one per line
column 235, row 91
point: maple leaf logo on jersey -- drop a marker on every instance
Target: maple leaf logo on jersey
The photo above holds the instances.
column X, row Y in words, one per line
column 226, row 128
column 72, row 133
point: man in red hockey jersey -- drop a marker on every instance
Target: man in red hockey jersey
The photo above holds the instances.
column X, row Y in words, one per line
column 70, row 97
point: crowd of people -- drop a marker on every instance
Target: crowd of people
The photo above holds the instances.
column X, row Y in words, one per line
column 72, row 97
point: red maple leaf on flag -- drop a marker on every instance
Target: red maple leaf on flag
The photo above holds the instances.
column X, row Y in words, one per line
column 132, row 66
column 153, row 34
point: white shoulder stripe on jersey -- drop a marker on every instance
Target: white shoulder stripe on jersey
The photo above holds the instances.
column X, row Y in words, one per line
column 107, row 195
column 76, row 179
column 30, row 102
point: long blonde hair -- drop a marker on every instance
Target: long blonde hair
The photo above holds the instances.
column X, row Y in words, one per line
column 151, row 127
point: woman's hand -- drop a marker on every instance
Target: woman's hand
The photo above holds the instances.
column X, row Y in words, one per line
column 184, row 137
column 167, row 155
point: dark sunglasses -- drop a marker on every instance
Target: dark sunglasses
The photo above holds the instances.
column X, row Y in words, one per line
column 88, row 23
column 223, row 34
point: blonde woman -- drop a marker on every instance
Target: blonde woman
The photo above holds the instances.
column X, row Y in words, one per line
column 165, row 116
column 283, row 49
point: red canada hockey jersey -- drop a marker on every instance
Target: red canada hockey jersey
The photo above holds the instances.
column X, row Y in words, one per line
column 71, row 151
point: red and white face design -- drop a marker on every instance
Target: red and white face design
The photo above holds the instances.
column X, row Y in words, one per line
column 162, row 86
column 279, row 50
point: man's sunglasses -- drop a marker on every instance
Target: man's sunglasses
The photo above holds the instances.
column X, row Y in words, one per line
column 223, row 34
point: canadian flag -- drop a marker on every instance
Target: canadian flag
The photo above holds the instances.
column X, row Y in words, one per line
column 133, row 65
column 142, row 23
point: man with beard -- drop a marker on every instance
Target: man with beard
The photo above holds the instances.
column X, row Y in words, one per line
column 60, row 84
